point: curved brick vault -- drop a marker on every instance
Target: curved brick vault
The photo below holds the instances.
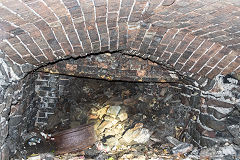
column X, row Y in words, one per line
column 198, row 37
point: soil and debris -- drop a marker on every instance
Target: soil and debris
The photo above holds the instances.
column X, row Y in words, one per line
column 131, row 121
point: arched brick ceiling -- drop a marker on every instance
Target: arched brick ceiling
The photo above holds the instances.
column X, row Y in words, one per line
column 193, row 36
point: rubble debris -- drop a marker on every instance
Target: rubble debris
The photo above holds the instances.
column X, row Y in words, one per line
column 131, row 121
column 182, row 148
column 173, row 140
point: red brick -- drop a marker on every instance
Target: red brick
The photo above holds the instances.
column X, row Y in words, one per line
column 173, row 59
column 34, row 49
column 199, row 64
column 40, row 41
column 175, row 41
column 178, row 66
column 59, row 33
column 6, row 26
column 49, row 54
column 42, row 25
column 31, row 60
column 227, row 59
column 168, row 36
column 16, row 58
column 13, row 40
column 87, row 6
column 112, row 20
column 86, row 44
column 101, row 11
column 104, row 39
column 9, row 16
column 232, row 66
column 131, row 36
column 21, row 49
column 74, row 9
column 214, row 73
column 237, row 70
column 201, row 50
column 165, row 56
column 184, row 43
column 210, row 53
column 4, row 35
column 93, row 33
column 7, row 49
column 78, row 51
column 160, row 49
column 135, row 17
column 136, row 45
column 59, row 53
column 214, row 60
column 21, row 9
column 96, row 47
column 204, row 70
column 43, row 11
column 139, row 6
column 99, row 3
column 70, row 30
column 213, row 50
column 122, row 33
column 58, row 8
column 124, row 11
column 67, row 48
column 187, row 66
column 41, row 58
column 113, row 5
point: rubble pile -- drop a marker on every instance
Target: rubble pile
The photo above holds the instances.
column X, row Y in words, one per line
column 135, row 121
column 113, row 129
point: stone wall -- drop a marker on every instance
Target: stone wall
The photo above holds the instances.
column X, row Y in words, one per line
column 17, row 113
column 216, row 113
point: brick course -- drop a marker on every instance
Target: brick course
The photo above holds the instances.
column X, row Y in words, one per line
column 194, row 37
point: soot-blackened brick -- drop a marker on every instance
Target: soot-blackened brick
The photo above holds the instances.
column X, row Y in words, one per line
column 54, row 44
column 165, row 56
column 185, row 56
column 168, row 36
column 204, row 70
column 187, row 66
column 173, row 59
column 30, row 60
column 214, row 72
column 178, row 66
column 160, row 50
column 226, row 60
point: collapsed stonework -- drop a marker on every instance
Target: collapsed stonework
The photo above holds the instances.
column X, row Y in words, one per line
column 28, row 103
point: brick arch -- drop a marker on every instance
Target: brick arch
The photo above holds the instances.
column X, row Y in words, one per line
column 197, row 38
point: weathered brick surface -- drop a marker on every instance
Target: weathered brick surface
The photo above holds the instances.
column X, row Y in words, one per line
column 195, row 36
column 113, row 67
